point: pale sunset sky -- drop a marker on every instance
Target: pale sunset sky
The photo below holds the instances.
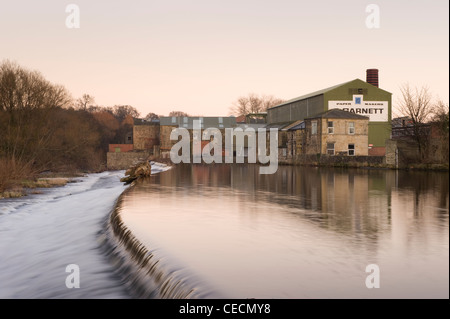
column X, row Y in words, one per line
column 199, row 56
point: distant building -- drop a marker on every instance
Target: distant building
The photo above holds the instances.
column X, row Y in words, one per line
column 168, row 123
column 252, row 118
column 120, row 148
column 337, row 132
column 404, row 148
column 145, row 135
column 296, row 139
column 242, row 147
column 356, row 96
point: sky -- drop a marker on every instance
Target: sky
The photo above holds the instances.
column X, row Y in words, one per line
column 199, row 56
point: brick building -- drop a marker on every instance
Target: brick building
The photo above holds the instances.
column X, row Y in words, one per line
column 356, row 96
column 167, row 124
column 337, row 132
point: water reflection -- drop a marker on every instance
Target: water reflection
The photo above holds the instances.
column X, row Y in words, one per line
column 321, row 227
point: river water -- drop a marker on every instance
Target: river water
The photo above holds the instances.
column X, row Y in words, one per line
column 227, row 231
column 303, row 232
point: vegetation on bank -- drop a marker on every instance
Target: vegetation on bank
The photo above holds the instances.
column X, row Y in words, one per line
column 418, row 166
column 45, row 130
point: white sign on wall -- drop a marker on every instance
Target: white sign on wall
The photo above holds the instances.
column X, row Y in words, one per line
column 377, row 111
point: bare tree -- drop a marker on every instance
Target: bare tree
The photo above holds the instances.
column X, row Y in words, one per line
column 441, row 120
column 240, row 106
column 417, row 105
column 85, row 102
column 253, row 103
column 122, row 111
column 178, row 113
column 151, row 116
column 22, row 89
column 269, row 101
column 441, row 114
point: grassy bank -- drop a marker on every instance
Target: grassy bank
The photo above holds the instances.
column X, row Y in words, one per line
column 19, row 188
column 18, row 179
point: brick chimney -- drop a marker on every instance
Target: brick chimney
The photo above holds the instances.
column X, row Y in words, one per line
column 372, row 76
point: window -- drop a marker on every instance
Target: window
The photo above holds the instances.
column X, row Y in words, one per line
column 330, row 127
column 330, row 148
column 351, row 127
column 314, row 127
column 351, row 149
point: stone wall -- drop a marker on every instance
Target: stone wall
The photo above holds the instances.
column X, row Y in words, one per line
column 408, row 153
column 350, row 161
column 164, row 133
column 120, row 161
column 317, row 143
column 145, row 136
column 120, row 148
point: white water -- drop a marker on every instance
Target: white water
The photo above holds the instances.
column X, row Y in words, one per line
column 41, row 234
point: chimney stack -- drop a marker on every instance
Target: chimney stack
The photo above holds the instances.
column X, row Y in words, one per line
column 372, row 76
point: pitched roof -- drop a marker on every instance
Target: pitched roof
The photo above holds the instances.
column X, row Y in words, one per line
column 279, row 125
column 316, row 93
column 205, row 121
column 240, row 119
column 320, row 92
column 298, row 126
column 290, row 126
column 145, row 122
column 339, row 114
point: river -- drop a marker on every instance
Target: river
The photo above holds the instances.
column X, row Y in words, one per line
column 304, row 232
column 225, row 231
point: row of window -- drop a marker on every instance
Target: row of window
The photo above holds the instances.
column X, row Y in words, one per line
column 351, row 127
column 350, row 150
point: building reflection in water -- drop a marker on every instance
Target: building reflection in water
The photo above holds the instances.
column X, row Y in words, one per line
column 321, row 225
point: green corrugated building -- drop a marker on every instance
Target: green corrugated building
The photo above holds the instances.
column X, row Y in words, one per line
column 357, row 96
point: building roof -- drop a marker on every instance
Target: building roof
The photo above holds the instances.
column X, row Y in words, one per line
column 240, row 119
column 312, row 94
column 293, row 124
column 320, row 92
column 299, row 126
column 279, row 126
column 206, row 122
column 251, row 125
column 137, row 121
column 339, row 114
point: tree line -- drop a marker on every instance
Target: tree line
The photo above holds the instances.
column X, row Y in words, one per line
column 423, row 113
column 43, row 128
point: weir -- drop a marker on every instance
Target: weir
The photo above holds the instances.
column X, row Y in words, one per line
column 146, row 274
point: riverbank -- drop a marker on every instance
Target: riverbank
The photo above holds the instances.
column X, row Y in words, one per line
column 417, row 166
column 34, row 185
